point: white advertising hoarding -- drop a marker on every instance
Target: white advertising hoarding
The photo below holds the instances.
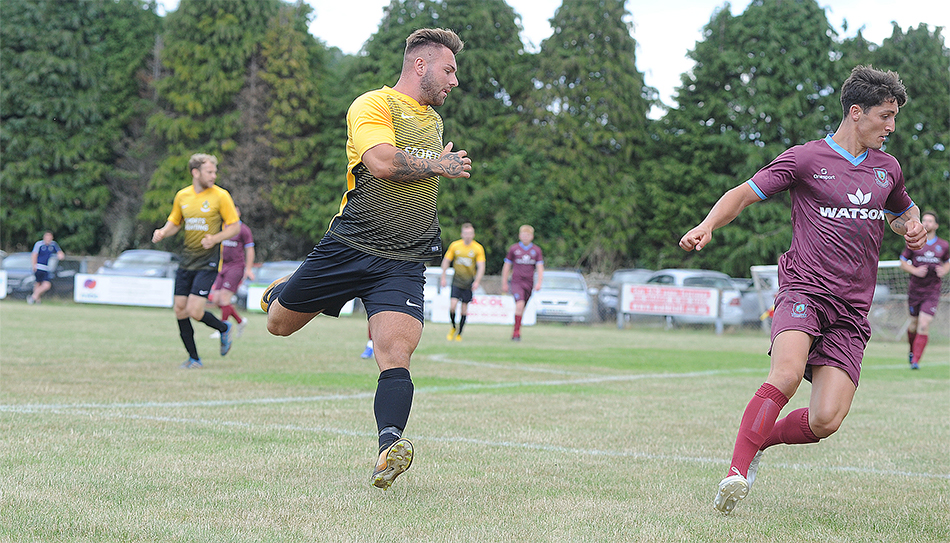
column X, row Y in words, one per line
column 668, row 300
column 483, row 309
column 122, row 290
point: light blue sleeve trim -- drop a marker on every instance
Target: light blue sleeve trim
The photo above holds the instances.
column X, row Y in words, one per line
column 904, row 259
column 758, row 192
column 912, row 204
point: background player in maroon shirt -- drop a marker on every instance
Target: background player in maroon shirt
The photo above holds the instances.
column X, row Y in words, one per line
column 842, row 188
column 237, row 264
column 926, row 267
column 522, row 260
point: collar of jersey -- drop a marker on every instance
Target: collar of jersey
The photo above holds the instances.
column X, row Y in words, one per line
column 854, row 160
column 409, row 100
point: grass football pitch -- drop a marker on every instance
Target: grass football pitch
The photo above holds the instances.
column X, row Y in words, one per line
column 578, row 433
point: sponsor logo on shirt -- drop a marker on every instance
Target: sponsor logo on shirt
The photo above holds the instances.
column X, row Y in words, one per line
column 824, row 175
column 859, row 198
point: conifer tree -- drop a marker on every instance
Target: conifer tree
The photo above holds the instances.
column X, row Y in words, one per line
column 70, row 78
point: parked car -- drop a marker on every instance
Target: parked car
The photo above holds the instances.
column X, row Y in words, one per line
column 264, row 275
column 564, row 297
column 730, row 302
column 609, row 294
column 20, row 276
column 142, row 263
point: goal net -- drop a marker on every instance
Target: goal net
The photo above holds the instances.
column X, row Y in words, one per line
column 888, row 315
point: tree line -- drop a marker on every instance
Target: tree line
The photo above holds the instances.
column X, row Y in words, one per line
column 103, row 101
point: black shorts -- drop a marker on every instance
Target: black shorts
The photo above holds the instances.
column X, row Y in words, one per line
column 463, row 295
column 197, row 282
column 42, row 276
column 334, row 274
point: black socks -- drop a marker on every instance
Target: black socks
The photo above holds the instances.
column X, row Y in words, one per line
column 392, row 404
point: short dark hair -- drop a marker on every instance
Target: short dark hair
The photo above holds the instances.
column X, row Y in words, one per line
column 931, row 213
column 433, row 36
column 867, row 87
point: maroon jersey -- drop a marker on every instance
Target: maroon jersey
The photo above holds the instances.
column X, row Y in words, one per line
column 933, row 254
column 839, row 208
column 232, row 250
column 523, row 259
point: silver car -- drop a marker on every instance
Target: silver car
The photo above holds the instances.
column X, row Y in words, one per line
column 564, row 297
column 142, row 263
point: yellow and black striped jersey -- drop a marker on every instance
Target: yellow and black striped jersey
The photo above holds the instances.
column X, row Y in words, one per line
column 465, row 259
column 391, row 219
column 205, row 212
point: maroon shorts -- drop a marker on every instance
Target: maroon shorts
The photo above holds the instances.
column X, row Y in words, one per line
column 229, row 278
column 923, row 302
column 521, row 291
column 841, row 333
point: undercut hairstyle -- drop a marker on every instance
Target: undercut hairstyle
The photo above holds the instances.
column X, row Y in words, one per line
column 425, row 37
column 197, row 159
column 868, row 87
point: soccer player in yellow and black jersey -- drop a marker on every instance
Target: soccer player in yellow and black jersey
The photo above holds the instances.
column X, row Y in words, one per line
column 467, row 258
column 386, row 230
column 207, row 214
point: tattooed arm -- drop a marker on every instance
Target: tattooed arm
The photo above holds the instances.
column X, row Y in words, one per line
column 388, row 162
column 908, row 225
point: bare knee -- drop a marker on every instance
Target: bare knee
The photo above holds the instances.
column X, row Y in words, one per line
column 281, row 322
column 278, row 328
column 824, row 424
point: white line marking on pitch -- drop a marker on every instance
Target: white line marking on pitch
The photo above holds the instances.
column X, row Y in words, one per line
column 362, row 395
column 489, row 443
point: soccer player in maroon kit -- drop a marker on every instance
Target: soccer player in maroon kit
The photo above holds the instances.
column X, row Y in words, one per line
column 926, row 267
column 842, row 189
column 237, row 263
column 522, row 260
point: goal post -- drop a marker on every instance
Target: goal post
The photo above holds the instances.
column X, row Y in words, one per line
column 888, row 315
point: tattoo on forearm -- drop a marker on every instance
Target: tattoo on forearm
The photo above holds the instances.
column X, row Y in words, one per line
column 410, row 168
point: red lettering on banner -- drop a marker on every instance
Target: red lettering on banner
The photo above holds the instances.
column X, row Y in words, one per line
column 670, row 301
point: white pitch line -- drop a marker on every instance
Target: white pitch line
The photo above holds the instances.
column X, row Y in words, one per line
column 592, row 379
column 588, row 379
column 504, row 444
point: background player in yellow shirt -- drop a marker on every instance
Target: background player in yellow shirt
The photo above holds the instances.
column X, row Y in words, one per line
column 202, row 210
column 467, row 258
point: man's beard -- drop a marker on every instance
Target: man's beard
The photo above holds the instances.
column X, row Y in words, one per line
column 430, row 94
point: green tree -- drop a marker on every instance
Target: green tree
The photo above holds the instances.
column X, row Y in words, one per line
column 209, row 48
column 299, row 135
column 70, row 73
column 587, row 133
column 762, row 81
column 483, row 116
column 920, row 142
